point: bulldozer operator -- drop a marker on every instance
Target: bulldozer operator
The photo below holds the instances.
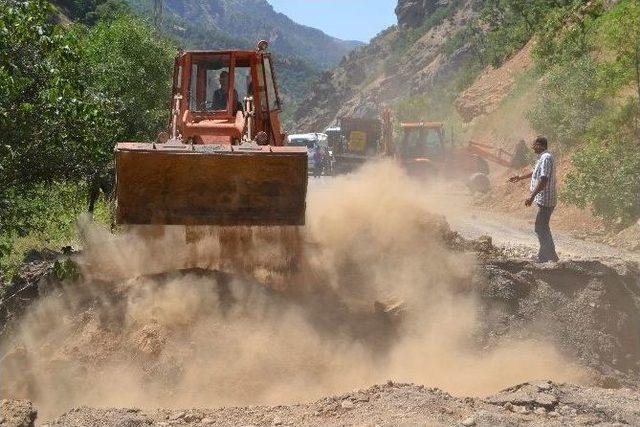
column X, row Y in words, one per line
column 221, row 95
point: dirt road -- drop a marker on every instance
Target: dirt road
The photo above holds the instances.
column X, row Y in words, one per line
column 516, row 234
column 506, row 231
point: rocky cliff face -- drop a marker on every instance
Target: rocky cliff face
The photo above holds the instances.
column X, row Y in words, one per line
column 411, row 13
column 374, row 75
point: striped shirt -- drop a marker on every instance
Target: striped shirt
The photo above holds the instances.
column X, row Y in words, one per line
column 545, row 166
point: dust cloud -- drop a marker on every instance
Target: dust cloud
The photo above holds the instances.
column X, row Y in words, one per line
column 366, row 292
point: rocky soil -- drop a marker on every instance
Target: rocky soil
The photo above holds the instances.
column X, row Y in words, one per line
column 17, row 413
column 588, row 309
column 38, row 275
column 411, row 13
column 538, row 403
column 629, row 238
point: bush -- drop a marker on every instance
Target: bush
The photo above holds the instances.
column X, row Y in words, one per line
column 42, row 216
column 592, row 59
column 567, row 101
column 606, row 173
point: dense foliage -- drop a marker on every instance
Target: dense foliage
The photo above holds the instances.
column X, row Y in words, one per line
column 90, row 11
column 606, row 174
column 589, row 100
column 67, row 95
column 567, row 102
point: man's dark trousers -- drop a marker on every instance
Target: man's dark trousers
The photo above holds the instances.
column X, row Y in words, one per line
column 547, row 248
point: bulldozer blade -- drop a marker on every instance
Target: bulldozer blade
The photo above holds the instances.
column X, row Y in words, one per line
column 210, row 184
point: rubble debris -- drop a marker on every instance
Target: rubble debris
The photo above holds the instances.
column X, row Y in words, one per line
column 420, row 405
column 17, row 413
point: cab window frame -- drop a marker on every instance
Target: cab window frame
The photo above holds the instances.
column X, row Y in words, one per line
column 270, row 85
column 199, row 56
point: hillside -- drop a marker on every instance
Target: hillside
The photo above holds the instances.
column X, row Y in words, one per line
column 402, row 61
column 246, row 22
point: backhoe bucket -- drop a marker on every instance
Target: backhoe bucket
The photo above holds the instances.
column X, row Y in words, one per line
column 210, row 184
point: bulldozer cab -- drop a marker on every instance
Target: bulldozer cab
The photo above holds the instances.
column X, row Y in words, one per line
column 210, row 89
column 223, row 161
column 422, row 140
column 214, row 87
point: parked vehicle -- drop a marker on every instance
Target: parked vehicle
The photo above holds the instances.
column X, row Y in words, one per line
column 353, row 142
column 319, row 158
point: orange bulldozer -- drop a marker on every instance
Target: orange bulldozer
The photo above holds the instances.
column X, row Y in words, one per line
column 224, row 161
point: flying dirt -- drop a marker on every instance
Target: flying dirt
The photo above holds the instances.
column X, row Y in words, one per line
column 382, row 290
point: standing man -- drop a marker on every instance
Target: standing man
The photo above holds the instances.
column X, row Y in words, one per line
column 543, row 194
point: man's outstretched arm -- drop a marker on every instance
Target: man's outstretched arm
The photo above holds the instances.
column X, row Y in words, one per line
column 517, row 178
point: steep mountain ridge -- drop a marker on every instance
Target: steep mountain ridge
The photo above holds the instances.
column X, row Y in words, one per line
column 248, row 21
column 501, row 72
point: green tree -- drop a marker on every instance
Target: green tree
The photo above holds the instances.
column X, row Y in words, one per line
column 67, row 95
column 45, row 113
column 127, row 64
column 617, row 39
column 606, row 169
column 66, row 98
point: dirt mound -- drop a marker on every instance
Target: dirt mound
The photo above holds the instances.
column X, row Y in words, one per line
column 17, row 413
column 540, row 403
column 629, row 238
column 588, row 309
